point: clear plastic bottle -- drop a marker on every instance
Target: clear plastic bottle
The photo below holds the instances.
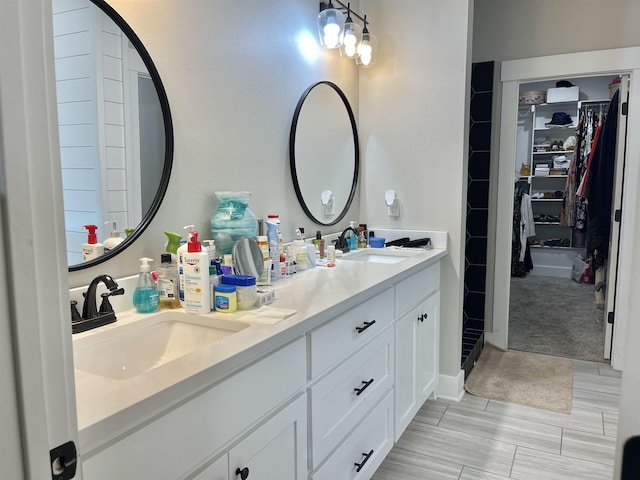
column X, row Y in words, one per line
column 168, row 282
column 352, row 237
column 362, row 239
column 145, row 296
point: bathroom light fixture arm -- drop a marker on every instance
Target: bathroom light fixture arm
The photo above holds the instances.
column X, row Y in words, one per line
column 325, row 5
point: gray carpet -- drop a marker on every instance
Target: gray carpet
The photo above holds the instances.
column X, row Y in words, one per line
column 555, row 316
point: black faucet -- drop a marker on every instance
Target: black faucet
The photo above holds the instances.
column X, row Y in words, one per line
column 341, row 242
column 91, row 317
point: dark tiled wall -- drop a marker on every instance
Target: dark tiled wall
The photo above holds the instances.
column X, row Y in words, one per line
column 477, row 212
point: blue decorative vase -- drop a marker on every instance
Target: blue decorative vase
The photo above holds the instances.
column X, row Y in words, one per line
column 232, row 220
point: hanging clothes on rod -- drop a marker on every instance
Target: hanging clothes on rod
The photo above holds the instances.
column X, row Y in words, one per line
column 599, row 184
column 523, row 228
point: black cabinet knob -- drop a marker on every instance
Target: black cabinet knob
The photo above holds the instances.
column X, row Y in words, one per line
column 244, row 473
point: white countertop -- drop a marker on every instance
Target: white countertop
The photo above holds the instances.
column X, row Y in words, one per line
column 108, row 408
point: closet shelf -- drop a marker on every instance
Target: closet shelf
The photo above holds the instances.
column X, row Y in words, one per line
column 553, row 152
column 558, row 127
column 546, row 199
column 546, row 223
column 556, row 247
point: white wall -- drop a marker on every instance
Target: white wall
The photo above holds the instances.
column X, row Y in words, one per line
column 512, row 29
column 233, row 72
column 414, row 124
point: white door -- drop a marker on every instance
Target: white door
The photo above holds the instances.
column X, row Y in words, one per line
column 275, row 451
column 614, row 243
column 33, row 237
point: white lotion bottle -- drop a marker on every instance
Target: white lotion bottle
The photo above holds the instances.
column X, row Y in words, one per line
column 195, row 263
column 182, row 249
column 114, row 240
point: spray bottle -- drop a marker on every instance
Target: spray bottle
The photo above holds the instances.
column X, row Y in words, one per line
column 145, row 296
column 91, row 249
column 173, row 243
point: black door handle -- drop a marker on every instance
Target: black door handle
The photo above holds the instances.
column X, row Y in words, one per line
column 367, row 456
column 364, row 326
column 363, row 387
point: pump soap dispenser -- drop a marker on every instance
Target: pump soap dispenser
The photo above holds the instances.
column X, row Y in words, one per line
column 195, row 265
column 114, row 240
column 145, row 296
column 92, row 249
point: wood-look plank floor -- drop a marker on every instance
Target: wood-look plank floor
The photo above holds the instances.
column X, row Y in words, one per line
column 481, row 439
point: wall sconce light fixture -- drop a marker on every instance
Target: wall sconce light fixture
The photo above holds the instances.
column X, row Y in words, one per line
column 353, row 40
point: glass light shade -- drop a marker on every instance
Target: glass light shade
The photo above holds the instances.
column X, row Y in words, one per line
column 367, row 50
column 330, row 27
column 351, row 38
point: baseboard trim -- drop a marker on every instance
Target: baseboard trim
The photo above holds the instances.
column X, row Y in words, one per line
column 451, row 388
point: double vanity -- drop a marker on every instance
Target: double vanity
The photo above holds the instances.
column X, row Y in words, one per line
column 318, row 385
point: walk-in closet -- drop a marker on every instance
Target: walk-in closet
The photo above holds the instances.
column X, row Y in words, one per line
column 569, row 164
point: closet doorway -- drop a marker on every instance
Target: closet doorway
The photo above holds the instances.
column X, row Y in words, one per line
column 564, row 193
column 552, row 69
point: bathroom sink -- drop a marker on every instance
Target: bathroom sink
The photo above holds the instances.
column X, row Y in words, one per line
column 382, row 255
column 127, row 351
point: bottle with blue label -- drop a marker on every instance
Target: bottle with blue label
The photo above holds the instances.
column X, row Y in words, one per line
column 145, row 297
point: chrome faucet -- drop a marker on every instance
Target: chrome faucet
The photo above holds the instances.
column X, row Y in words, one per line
column 91, row 316
column 341, row 242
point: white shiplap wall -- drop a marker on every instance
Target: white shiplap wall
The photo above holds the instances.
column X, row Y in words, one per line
column 89, row 84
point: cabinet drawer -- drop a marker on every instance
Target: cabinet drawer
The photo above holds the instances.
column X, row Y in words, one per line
column 337, row 338
column 416, row 288
column 202, row 426
column 342, row 398
column 367, row 446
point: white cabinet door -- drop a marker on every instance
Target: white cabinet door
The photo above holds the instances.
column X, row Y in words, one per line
column 417, row 339
column 406, row 395
column 428, row 340
column 275, row 451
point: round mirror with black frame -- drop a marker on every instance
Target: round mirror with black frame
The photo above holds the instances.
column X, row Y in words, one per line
column 324, row 154
column 117, row 142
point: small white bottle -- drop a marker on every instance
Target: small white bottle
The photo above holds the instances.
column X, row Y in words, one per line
column 92, row 248
column 300, row 251
column 195, row 264
column 114, row 240
column 182, row 249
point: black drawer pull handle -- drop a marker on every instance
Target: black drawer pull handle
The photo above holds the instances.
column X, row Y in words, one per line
column 244, row 473
column 365, row 460
column 423, row 317
column 364, row 326
column 363, row 387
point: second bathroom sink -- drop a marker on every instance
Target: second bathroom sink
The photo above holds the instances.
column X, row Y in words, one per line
column 382, row 255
